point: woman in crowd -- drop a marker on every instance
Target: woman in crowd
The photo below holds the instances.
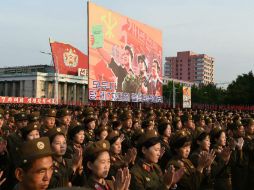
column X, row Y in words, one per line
column 76, row 139
column 64, row 170
column 221, row 169
column 177, row 123
column 97, row 164
column 101, row 132
column 90, row 126
column 146, row 174
column 117, row 159
column 31, row 131
column 164, row 129
column 181, row 146
column 201, row 144
column 117, row 125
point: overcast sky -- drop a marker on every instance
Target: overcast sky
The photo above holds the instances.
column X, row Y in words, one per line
column 223, row 29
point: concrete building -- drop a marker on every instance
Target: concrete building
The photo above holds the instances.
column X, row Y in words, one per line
column 189, row 66
column 40, row 81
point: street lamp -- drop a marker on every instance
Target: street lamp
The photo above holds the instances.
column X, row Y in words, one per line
column 56, row 76
column 43, row 52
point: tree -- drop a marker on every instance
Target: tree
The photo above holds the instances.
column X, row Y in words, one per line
column 168, row 93
column 241, row 90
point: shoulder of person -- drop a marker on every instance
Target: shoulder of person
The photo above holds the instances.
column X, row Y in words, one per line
column 136, row 169
column 158, row 169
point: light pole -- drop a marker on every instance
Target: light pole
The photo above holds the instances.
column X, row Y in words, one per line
column 174, row 95
column 55, row 76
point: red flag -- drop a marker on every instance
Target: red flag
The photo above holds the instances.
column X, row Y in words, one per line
column 68, row 59
column 108, row 75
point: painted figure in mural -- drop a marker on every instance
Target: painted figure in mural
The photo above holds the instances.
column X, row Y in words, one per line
column 155, row 83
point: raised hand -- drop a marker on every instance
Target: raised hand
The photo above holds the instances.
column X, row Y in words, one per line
column 130, row 156
column 232, row 144
column 225, row 154
column 134, row 155
column 239, row 143
column 178, row 175
column 122, row 138
column 162, row 151
column 77, row 159
column 171, row 177
column 211, row 157
column 122, row 179
column 203, row 161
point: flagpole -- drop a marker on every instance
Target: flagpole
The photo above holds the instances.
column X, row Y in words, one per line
column 56, row 74
column 88, row 40
column 174, row 96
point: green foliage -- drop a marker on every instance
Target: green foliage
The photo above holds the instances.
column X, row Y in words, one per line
column 208, row 94
column 239, row 92
column 168, row 92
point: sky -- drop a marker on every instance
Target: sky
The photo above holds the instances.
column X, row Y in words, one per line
column 222, row 29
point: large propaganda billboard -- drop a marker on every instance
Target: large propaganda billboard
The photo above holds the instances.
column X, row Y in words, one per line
column 125, row 58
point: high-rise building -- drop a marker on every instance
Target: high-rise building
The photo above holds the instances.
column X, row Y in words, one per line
column 189, row 66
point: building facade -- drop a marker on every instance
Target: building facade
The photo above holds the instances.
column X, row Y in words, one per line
column 40, row 81
column 189, row 66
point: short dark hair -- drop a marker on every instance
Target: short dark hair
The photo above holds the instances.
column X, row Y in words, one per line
column 180, row 142
column 115, row 124
column 127, row 47
column 26, row 166
column 200, row 137
column 149, row 143
column 91, row 158
column 143, row 58
column 216, row 135
column 52, row 138
column 162, row 127
column 113, row 140
column 157, row 64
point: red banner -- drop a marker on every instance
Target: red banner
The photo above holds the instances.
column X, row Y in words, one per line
column 68, row 59
column 26, row 100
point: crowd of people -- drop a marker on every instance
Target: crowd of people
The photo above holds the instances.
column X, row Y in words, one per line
column 121, row 148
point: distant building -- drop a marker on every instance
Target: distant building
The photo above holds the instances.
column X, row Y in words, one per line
column 40, row 81
column 189, row 66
